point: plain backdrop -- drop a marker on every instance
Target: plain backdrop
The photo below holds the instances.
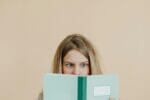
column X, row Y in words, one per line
column 30, row 31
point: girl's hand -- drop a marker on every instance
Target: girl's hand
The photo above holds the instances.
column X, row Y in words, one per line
column 112, row 98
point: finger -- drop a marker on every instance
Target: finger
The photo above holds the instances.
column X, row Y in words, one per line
column 111, row 98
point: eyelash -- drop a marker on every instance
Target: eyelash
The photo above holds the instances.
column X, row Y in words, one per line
column 70, row 65
column 85, row 64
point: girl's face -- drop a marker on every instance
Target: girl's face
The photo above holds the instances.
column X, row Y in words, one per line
column 75, row 63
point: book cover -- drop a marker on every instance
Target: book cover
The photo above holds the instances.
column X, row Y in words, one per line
column 75, row 87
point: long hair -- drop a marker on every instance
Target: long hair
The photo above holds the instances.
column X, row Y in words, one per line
column 81, row 44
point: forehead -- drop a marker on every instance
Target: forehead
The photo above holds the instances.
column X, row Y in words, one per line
column 75, row 56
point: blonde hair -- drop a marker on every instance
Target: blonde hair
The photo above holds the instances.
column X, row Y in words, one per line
column 81, row 44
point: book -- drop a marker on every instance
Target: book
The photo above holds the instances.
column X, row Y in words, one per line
column 76, row 87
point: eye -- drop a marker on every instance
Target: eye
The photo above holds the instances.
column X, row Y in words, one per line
column 69, row 65
column 84, row 64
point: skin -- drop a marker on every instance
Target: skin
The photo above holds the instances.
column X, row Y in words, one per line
column 77, row 64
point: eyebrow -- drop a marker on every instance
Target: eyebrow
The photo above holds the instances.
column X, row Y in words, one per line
column 72, row 62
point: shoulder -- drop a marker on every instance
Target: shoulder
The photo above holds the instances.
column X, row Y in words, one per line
column 40, row 96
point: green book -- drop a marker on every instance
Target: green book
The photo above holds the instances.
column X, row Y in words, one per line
column 75, row 87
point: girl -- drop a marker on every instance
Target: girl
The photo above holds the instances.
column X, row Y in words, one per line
column 75, row 55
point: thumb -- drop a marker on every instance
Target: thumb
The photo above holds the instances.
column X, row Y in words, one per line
column 111, row 98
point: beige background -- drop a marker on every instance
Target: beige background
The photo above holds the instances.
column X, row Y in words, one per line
column 30, row 31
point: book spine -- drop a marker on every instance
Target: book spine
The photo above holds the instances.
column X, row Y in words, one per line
column 82, row 88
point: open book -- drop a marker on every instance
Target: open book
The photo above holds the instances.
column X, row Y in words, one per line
column 74, row 87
